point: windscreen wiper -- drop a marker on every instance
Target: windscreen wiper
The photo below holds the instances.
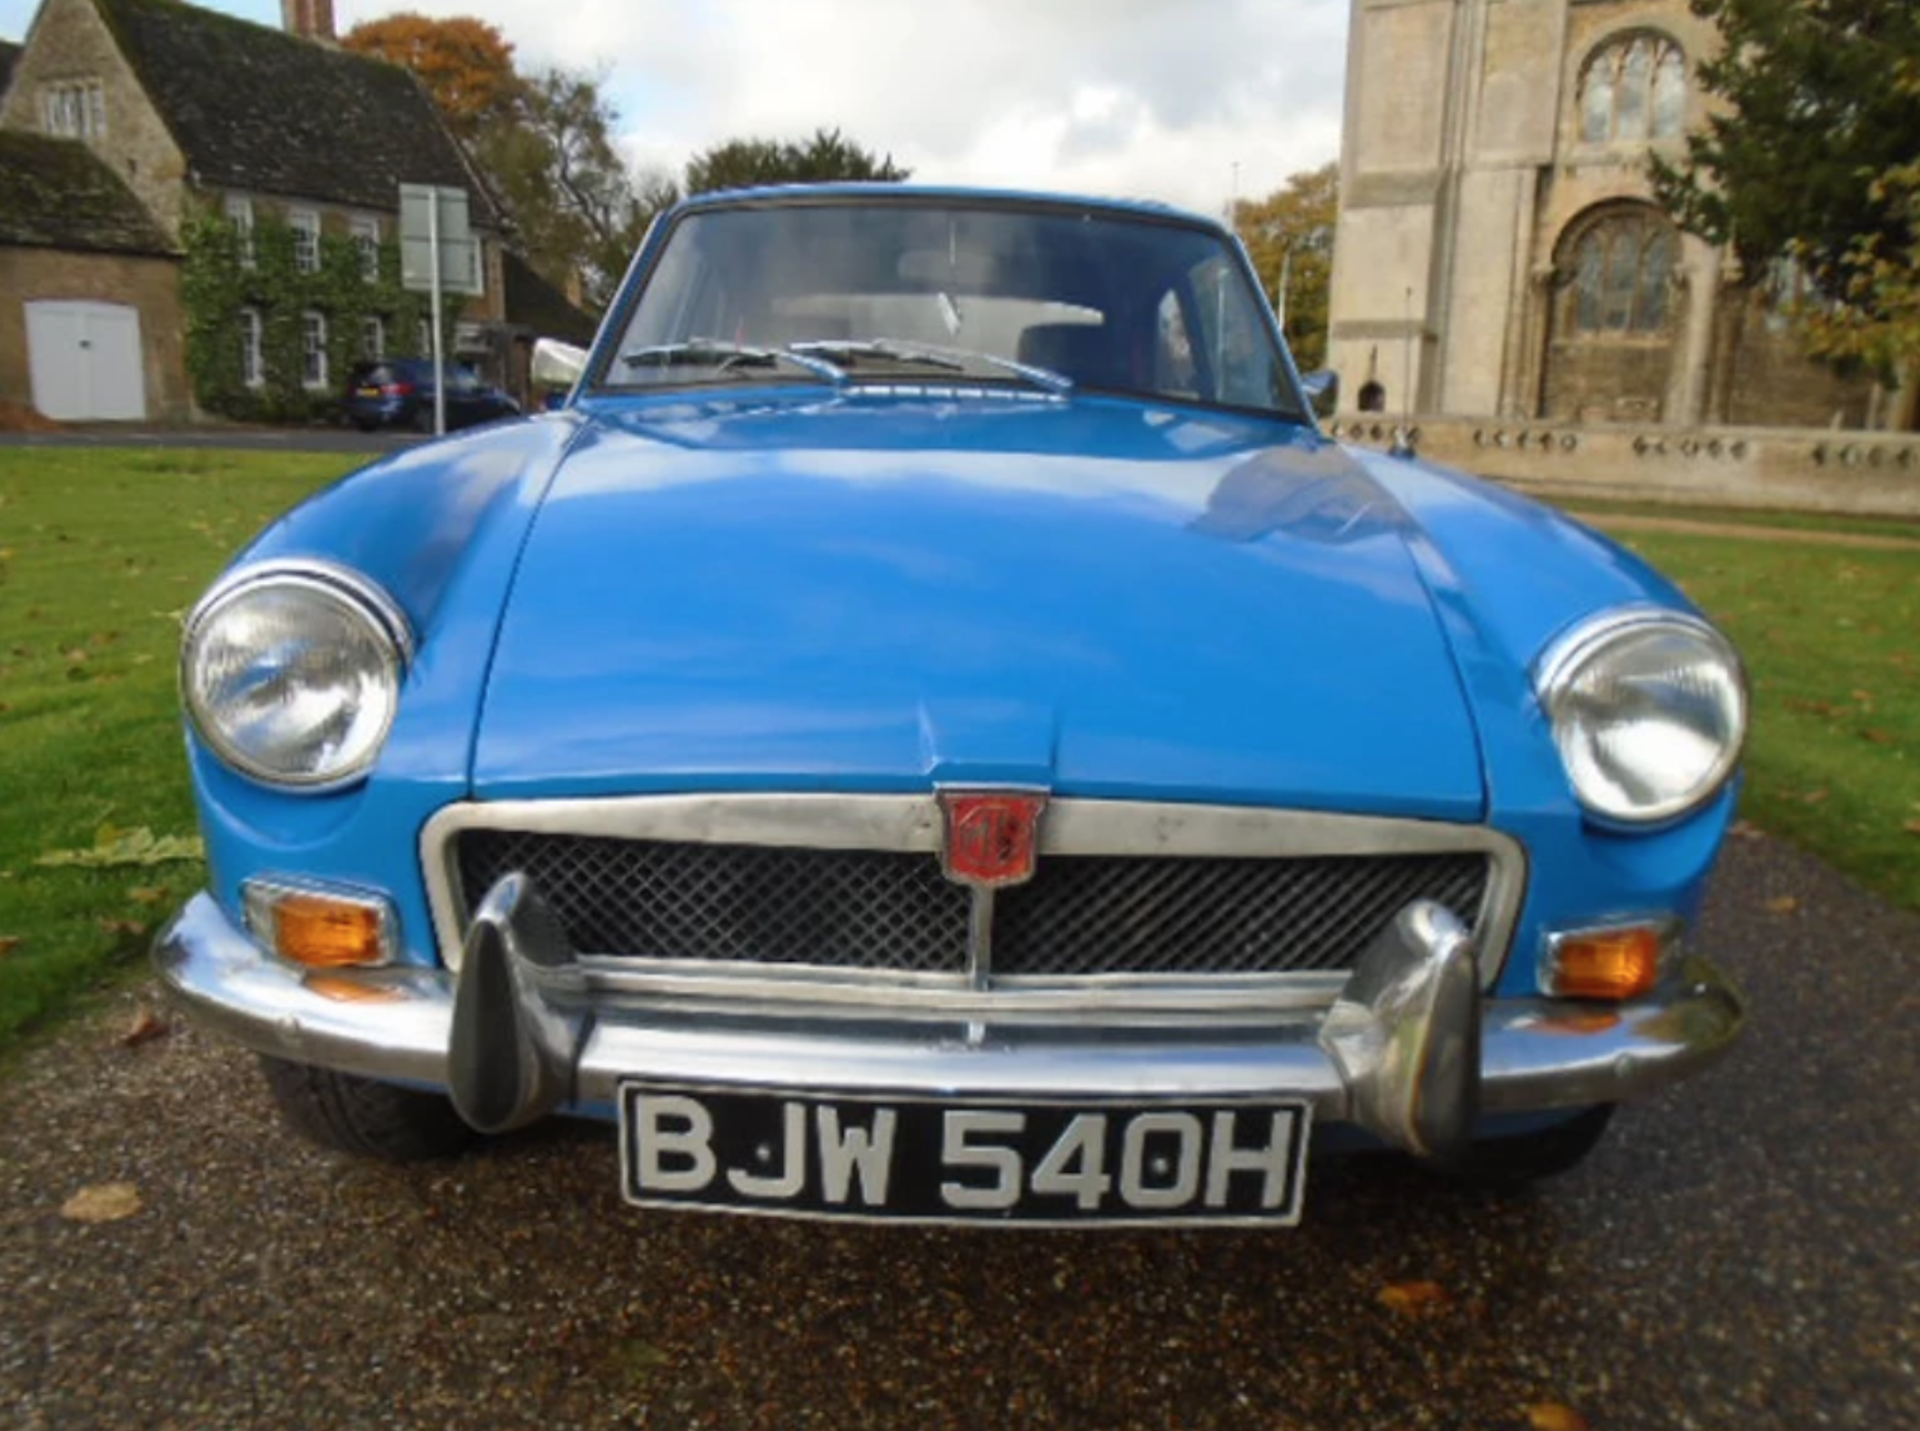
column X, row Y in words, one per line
column 955, row 360
column 724, row 356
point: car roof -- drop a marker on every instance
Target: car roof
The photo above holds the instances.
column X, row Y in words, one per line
column 815, row 193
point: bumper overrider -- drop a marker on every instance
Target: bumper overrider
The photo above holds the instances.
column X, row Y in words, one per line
column 1412, row 1050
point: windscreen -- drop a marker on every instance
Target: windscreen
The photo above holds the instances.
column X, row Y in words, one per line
column 886, row 291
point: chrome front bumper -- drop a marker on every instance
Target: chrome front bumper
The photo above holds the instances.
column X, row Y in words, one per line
column 1412, row 1052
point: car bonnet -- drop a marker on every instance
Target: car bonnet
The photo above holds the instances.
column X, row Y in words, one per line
column 1093, row 597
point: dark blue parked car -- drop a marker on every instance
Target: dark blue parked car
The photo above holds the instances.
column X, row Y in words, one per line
column 933, row 730
column 398, row 392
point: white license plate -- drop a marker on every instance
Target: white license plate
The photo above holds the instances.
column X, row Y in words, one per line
column 897, row 1158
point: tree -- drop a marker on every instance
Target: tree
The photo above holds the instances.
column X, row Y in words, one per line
column 827, row 156
column 577, row 209
column 545, row 143
column 1807, row 119
column 1878, row 316
column 1289, row 236
column 466, row 64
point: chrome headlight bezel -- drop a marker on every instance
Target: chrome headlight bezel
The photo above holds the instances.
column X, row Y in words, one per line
column 1576, row 655
column 344, row 594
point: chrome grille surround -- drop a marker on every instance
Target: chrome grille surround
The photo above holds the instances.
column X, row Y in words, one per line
column 1101, row 849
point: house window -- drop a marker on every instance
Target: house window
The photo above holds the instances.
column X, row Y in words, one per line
column 313, row 343
column 373, row 339
column 1634, row 89
column 1622, row 269
column 240, row 215
column 306, row 240
column 366, row 238
column 253, row 366
column 75, row 109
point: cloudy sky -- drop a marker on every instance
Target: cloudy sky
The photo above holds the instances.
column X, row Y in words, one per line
column 1147, row 98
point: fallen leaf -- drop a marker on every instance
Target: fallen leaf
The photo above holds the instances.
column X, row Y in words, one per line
column 11, row 942
column 1785, row 904
column 1552, row 1416
column 1747, row 830
column 146, row 1026
column 123, row 928
column 141, row 846
column 1414, row 1299
column 1813, row 797
column 1880, row 737
column 147, row 893
column 103, row 1202
column 1912, row 827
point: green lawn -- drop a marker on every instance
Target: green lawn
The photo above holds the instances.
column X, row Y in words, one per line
column 101, row 551
column 1831, row 638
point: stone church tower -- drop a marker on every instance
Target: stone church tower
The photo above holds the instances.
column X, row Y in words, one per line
column 1498, row 252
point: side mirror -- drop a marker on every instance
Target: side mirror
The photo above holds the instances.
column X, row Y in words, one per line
column 1323, row 391
column 557, row 364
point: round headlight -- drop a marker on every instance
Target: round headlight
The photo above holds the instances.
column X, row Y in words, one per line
column 1649, row 709
column 292, row 674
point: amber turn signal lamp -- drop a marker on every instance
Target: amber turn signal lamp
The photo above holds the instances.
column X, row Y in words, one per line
column 318, row 928
column 1611, row 964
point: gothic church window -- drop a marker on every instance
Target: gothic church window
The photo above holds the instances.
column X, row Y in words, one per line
column 1634, row 89
column 1621, row 271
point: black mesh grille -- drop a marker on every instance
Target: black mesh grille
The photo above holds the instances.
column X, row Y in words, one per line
column 851, row 909
column 878, row 910
column 1109, row 914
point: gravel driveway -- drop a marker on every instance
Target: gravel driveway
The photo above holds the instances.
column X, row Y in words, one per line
column 1743, row 1252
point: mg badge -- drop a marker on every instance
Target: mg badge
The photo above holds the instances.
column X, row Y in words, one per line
column 991, row 836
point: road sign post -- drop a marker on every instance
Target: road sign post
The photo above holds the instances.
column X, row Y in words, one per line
column 438, row 252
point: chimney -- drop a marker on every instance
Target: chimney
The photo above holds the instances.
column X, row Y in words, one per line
column 309, row 19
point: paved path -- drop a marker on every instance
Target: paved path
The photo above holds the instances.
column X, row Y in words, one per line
column 1744, row 531
column 1743, row 1252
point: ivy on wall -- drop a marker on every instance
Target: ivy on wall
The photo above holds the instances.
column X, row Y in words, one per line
column 217, row 285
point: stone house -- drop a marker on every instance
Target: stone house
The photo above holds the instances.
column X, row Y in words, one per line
column 1499, row 253
column 192, row 109
column 91, row 328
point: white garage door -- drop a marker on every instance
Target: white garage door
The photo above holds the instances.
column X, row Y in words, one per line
column 85, row 359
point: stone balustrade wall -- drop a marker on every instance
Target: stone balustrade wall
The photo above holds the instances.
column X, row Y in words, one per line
column 1789, row 469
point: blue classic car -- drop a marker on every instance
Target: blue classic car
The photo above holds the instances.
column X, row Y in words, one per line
column 931, row 730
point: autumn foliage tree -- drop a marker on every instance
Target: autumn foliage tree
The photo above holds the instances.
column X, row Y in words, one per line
column 466, row 64
column 1289, row 236
column 545, row 142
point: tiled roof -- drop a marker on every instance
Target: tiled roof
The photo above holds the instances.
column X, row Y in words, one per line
column 9, row 52
column 56, row 193
column 256, row 109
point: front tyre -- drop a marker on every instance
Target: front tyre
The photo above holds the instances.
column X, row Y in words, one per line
column 365, row 1117
column 1509, row 1163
